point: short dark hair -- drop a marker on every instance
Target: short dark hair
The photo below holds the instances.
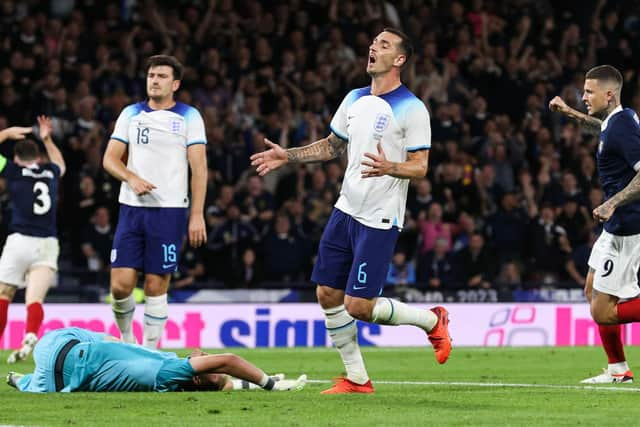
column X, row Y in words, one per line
column 171, row 61
column 26, row 150
column 405, row 43
column 605, row 73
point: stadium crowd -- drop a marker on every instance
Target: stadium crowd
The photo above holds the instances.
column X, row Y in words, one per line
column 508, row 197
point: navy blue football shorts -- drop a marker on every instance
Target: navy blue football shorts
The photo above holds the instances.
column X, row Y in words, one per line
column 149, row 239
column 354, row 257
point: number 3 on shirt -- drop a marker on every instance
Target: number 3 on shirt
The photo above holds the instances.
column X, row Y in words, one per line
column 42, row 203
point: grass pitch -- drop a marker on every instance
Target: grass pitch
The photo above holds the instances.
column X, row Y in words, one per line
column 489, row 386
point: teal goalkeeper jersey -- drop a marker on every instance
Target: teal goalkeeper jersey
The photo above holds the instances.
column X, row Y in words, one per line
column 98, row 365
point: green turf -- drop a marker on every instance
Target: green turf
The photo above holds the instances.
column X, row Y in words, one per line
column 391, row 405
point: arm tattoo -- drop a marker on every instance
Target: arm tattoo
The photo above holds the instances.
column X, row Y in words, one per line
column 338, row 146
column 321, row 150
column 590, row 124
column 628, row 194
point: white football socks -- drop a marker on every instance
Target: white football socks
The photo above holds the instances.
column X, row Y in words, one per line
column 618, row 368
column 123, row 310
column 344, row 334
column 156, row 312
column 388, row 311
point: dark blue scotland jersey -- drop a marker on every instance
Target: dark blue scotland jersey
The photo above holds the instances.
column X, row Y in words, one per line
column 34, row 197
column 618, row 162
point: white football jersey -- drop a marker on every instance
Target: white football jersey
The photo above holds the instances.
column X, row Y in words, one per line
column 157, row 143
column 399, row 121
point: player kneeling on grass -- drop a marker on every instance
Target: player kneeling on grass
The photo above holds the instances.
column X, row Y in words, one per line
column 74, row 359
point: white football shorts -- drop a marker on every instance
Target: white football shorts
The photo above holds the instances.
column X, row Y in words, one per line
column 21, row 253
column 615, row 260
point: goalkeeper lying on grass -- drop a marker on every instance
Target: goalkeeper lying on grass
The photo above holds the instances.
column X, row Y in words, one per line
column 73, row 359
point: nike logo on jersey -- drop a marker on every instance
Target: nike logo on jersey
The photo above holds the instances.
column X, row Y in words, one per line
column 357, row 288
column 165, row 266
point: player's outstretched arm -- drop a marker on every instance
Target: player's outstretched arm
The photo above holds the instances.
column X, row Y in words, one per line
column 236, row 366
column 319, row 151
column 113, row 164
column 378, row 165
column 14, row 132
column 590, row 124
column 45, row 125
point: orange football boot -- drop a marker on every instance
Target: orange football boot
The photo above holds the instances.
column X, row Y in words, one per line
column 439, row 335
column 344, row 385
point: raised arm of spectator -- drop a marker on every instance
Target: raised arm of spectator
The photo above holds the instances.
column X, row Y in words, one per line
column 157, row 23
column 555, row 63
column 524, row 27
column 205, row 24
column 333, row 11
column 14, row 132
column 52, row 151
column 130, row 52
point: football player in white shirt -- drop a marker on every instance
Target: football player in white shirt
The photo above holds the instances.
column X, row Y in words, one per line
column 386, row 131
column 161, row 139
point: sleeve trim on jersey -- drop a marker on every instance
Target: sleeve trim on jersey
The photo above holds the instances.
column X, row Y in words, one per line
column 119, row 139
column 196, row 142
column 3, row 162
column 636, row 167
column 338, row 134
column 418, row 148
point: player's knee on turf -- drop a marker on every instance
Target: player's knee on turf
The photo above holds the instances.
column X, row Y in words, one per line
column 359, row 308
column 7, row 292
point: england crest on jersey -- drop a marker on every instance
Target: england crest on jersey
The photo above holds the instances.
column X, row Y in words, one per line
column 381, row 123
column 175, row 125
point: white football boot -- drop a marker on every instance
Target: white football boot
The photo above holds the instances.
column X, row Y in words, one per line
column 28, row 343
column 607, row 377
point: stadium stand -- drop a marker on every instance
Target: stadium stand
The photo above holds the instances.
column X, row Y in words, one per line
column 502, row 167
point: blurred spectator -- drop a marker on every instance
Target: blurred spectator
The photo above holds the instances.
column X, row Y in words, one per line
column 401, row 270
column 256, row 204
column 250, row 272
column 97, row 241
column 507, row 229
column 510, row 277
column 420, row 198
column 436, row 267
column 466, row 228
column 549, row 247
column 285, row 254
column 433, row 228
column 576, row 264
column 476, row 265
column 227, row 243
column 190, row 267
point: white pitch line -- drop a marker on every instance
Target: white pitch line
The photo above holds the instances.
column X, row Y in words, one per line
column 504, row 385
